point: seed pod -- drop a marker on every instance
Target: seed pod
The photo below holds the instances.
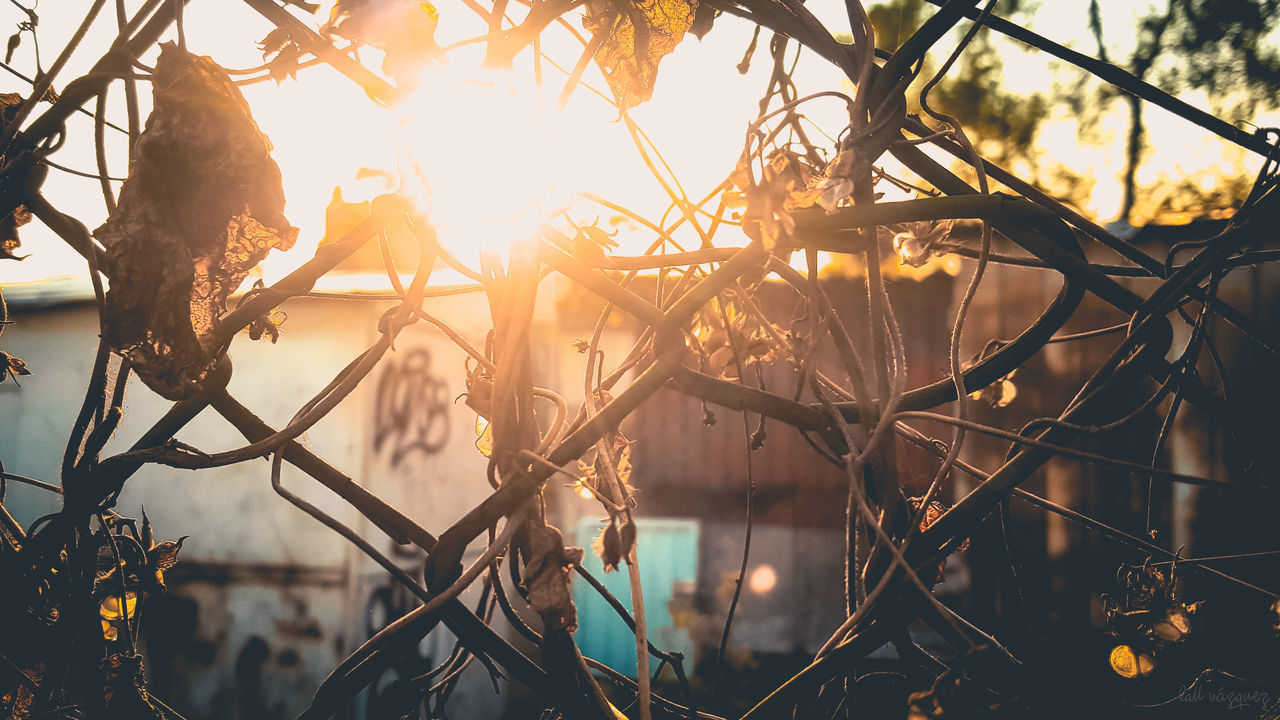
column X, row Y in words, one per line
column 609, row 546
column 627, row 537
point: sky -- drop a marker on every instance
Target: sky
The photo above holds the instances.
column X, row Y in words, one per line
column 472, row 134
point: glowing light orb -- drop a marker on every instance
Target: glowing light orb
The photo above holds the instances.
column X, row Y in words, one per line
column 762, row 580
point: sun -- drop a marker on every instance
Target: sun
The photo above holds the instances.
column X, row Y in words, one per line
column 486, row 157
column 489, row 157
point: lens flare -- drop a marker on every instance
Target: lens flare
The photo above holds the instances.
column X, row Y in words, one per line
column 485, row 157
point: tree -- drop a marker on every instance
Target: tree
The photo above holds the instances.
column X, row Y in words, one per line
column 1220, row 49
column 1003, row 123
column 203, row 204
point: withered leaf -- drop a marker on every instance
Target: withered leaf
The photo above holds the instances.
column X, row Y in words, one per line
column 590, row 244
column 767, row 218
column 403, row 29
column 267, row 326
column 547, row 577
column 161, row 556
column 609, row 546
column 14, row 215
column 637, row 35
column 9, row 104
column 165, row 554
column 480, row 391
column 934, row 511
column 12, row 366
column 275, row 41
column 203, row 204
column 9, row 242
column 17, row 698
column 285, row 63
column 703, row 18
column 285, row 54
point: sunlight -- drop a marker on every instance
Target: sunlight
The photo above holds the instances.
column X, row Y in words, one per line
column 485, row 157
column 489, row 156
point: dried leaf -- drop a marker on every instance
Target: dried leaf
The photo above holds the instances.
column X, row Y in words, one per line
column 484, row 436
column 916, row 242
column 767, row 218
column 403, row 29
column 835, row 185
column 931, row 515
column 203, row 204
column 608, row 545
column 590, row 244
column 999, row 393
column 161, row 557
column 275, row 41
column 9, row 225
column 12, row 367
column 703, row 18
column 287, row 54
column 480, row 392
column 165, row 554
column 637, row 35
column 267, row 326
column 14, row 215
column 17, row 698
column 547, row 578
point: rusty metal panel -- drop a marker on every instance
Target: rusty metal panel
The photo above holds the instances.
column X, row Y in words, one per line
column 685, row 466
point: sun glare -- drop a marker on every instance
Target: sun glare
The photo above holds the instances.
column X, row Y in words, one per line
column 485, row 157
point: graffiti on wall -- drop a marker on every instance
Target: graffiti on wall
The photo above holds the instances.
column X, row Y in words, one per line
column 412, row 408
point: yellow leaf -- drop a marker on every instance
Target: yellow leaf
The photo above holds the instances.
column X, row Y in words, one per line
column 629, row 55
column 1124, row 661
column 484, row 436
column 109, row 608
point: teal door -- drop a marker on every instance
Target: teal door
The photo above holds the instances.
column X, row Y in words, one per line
column 667, row 552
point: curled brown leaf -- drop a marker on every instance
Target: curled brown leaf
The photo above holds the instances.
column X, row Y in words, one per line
column 547, row 578
column 203, row 204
